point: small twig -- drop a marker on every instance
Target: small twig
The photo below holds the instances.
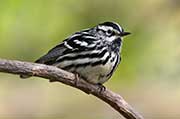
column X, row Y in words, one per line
column 55, row 74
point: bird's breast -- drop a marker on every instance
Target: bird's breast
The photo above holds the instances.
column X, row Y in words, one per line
column 99, row 73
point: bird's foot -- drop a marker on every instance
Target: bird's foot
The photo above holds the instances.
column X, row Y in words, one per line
column 101, row 88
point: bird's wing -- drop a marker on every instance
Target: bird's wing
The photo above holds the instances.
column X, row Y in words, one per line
column 75, row 43
column 52, row 55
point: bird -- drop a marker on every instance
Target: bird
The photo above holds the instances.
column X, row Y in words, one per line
column 92, row 53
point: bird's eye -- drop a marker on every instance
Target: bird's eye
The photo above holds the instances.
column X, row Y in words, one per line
column 109, row 32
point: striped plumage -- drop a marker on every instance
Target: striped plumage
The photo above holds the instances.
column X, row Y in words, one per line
column 92, row 53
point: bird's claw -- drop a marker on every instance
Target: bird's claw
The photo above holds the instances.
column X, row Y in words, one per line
column 101, row 88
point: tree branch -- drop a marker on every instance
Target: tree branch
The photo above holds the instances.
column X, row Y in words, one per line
column 55, row 74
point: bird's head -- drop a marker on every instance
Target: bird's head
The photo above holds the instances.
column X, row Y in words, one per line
column 110, row 31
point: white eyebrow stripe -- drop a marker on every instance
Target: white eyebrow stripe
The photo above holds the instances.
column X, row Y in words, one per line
column 119, row 26
column 105, row 28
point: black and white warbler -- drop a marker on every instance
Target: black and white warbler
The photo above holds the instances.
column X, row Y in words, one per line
column 93, row 53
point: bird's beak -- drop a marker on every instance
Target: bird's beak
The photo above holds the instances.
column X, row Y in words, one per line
column 124, row 34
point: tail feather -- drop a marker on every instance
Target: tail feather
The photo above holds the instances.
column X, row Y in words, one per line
column 49, row 58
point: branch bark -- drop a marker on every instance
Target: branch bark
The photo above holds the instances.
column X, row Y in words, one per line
column 55, row 74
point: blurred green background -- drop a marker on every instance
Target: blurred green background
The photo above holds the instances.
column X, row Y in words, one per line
column 148, row 76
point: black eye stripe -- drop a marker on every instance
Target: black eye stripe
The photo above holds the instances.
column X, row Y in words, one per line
column 109, row 31
column 113, row 33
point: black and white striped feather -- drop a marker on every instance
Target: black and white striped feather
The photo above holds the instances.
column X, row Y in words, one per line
column 92, row 53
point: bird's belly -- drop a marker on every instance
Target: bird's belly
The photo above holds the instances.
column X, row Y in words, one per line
column 96, row 74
